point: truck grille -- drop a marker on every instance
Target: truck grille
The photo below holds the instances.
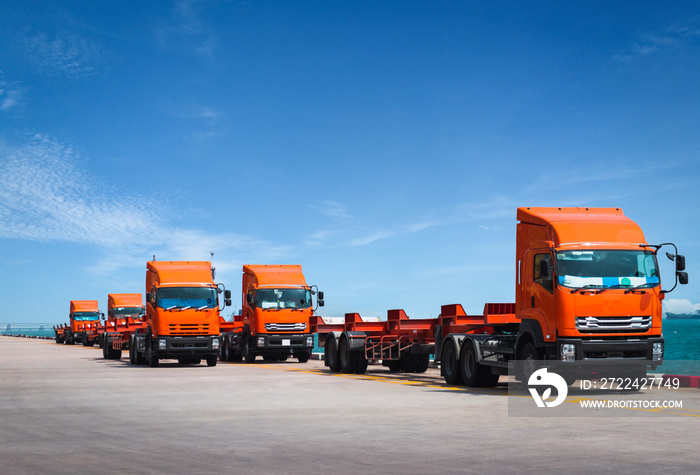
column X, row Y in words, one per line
column 189, row 328
column 285, row 327
column 613, row 324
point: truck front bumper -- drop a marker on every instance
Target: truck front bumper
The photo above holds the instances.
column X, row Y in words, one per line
column 268, row 341
column 589, row 354
column 183, row 346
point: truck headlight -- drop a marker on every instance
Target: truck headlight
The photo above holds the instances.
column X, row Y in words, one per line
column 215, row 344
column 658, row 351
column 162, row 344
column 310, row 341
column 568, row 352
column 261, row 341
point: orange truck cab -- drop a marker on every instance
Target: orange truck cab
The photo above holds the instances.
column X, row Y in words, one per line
column 589, row 287
column 84, row 314
column 182, row 314
column 587, row 302
column 124, row 317
column 275, row 318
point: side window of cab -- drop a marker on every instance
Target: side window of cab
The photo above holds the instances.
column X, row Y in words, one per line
column 543, row 261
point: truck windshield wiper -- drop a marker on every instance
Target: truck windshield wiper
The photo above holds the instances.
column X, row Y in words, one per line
column 642, row 286
column 616, row 286
column 184, row 308
column 202, row 307
column 587, row 287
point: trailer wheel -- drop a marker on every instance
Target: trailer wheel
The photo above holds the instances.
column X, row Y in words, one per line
column 211, row 360
column 408, row 363
column 349, row 360
column 132, row 351
column 331, row 355
column 471, row 370
column 450, row 366
column 362, row 364
column 423, row 363
column 116, row 354
column 394, row 365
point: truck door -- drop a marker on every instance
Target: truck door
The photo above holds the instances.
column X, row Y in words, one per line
column 538, row 290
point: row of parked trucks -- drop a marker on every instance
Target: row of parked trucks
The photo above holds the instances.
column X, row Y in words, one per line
column 182, row 317
column 588, row 296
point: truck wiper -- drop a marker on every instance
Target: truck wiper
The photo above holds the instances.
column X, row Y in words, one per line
column 587, row 287
column 641, row 286
column 616, row 286
column 202, row 307
column 170, row 308
column 184, row 308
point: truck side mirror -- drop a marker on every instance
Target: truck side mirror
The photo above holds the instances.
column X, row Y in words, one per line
column 321, row 303
column 320, row 295
column 148, row 296
column 227, row 294
column 227, row 302
column 249, row 299
column 682, row 278
column 545, row 268
column 680, row 262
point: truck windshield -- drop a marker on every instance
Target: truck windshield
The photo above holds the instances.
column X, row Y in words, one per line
column 131, row 311
column 283, row 298
column 86, row 316
column 607, row 268
column 186, row 297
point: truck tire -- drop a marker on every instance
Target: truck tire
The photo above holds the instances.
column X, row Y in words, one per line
column 450, row 365
column 132, row 350
column 116, row 354
column 225, row 351
column 151, row 359
column 211, row 360
column 303, row 356
column 331, row 355
column 529, row 363
column 393, row 365
column 349, row 360
column 247, row 352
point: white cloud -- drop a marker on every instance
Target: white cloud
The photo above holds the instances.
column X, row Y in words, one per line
column 64, row 54
column 10, row 95
column 45, row 195
column 654, row 42
column 363, row 241
column 681, row 306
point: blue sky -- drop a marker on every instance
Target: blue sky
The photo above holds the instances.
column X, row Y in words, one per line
column 384, row 146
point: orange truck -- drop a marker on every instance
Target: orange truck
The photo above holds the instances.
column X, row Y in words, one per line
column 124, row 316
column 182, row 314
column 84, row 316
column 588, row 301
column 275, row 316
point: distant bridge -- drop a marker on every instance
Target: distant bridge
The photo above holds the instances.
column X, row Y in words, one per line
column 21, row 326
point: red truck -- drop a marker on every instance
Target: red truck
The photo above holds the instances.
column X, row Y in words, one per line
column 588, row 298
column 84, row 316
column 275, row 320
column 124, row 317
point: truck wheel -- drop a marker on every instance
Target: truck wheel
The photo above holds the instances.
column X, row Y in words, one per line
column 471, row 370
column 529, row 362
column 211, row 360
column 349, row 360
column 450, row 366
column 116, row 354
column 150, row 357
column 132, row 351
column 84, row 339
column 331, row 355
column 247, row 353
column 225, row 352
column 303, row 356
